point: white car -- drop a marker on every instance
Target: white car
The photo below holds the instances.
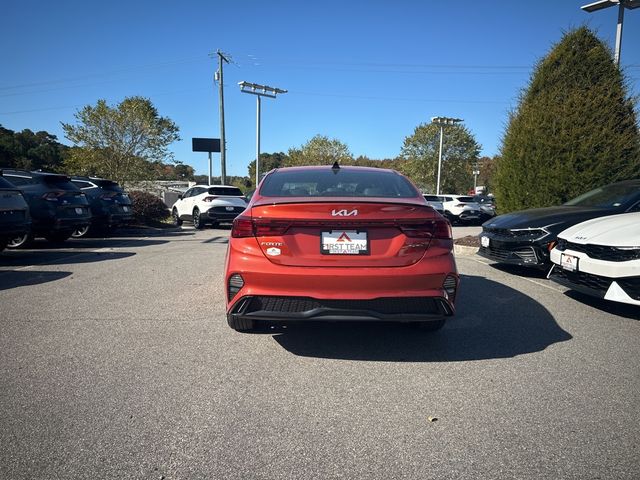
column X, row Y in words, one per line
column 461, row 208
column 209, row 204
column 601, row 257
column 434, row 202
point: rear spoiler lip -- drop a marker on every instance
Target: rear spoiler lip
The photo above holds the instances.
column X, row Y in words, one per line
column 273, row 201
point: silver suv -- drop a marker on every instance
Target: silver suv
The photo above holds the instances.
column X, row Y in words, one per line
column 209, row 204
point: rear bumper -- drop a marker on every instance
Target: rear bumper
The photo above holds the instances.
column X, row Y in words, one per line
column 296, row 309
column 410, row 293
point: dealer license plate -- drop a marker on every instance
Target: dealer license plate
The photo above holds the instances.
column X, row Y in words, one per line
column 344, row 242
column 569, row 262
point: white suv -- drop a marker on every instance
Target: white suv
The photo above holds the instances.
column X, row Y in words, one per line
column 209, row 204
column 461, row 208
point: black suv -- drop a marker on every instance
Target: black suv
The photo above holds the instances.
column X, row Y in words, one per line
column 110, row 205
column 14, row 213
column 57, row 206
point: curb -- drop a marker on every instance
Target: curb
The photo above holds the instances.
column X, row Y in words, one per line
column 464, row 251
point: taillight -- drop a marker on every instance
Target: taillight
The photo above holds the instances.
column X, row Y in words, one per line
column 440, row 229
column 270, row 228
column 52, row 196
column 242, row 227
column 209, row 199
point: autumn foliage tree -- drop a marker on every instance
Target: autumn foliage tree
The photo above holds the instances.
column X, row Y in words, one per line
column 574, row 129
column 122, row 142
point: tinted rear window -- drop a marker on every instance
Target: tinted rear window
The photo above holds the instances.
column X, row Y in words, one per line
column 62, row 183
column 234, row 192
column 432, row 198
column 466, row 199
column 343, row 183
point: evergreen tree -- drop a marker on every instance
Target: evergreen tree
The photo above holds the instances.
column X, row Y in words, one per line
column 575, row 128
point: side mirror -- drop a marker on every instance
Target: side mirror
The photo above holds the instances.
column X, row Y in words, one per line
column 179, row 197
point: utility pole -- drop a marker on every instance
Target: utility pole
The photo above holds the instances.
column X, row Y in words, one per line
column 223, row 149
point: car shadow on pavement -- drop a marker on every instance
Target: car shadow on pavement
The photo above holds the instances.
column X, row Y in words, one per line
column 614, row 308
column 24, row 258
column 492, row 321
column 11, row 279
column 527, row 272
column 71, row 244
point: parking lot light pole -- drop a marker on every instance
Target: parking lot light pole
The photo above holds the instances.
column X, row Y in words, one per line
column 622, row 4
column 442, row 122
column 259, row 91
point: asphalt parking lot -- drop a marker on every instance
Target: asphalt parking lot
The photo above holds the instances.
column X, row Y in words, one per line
column 116, row 362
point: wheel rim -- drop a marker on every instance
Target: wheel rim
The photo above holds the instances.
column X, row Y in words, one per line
column 18, row 241
column 80, row 232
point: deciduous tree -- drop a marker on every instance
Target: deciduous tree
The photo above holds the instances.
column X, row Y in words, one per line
column 120, row 142
column 459, row 152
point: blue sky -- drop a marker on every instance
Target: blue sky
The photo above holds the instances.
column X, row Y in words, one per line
column 364, row 72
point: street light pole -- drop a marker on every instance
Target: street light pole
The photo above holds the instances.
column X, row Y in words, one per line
column 622, row 4
column 442, row 122
column 260, row 91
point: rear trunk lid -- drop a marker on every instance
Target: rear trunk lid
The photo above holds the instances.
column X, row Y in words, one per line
column 341, row 234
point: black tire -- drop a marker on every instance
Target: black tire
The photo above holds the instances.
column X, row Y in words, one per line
column 197, row 219
column 81, row 232
column 241, row 324
column 431, row 326
column 58, row 237
column 176, row 218
column 23, row 241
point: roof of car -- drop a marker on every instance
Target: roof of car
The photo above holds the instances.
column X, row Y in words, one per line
column 330, row 167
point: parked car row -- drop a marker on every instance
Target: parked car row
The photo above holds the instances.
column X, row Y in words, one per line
column 56, row 207
column 590, row 244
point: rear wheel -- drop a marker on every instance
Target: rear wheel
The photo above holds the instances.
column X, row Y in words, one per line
column 240, row 324
column 58, row 237
column 429, row 326
column 20, row 242
column 197, row 219
column 80, row 232
column 176, row 218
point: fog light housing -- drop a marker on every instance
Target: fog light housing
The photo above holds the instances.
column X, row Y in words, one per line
column 236, row 282
column 450, row 286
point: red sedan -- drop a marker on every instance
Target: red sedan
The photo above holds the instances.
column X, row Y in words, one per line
column 339, row 243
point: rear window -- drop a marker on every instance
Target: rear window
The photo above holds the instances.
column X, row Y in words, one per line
column 432, row 198
column 466, row 199
column 343, row 183
column 230, row 191
column 60, row 182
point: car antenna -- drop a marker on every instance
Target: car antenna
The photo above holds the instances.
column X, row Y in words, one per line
column 336, row 167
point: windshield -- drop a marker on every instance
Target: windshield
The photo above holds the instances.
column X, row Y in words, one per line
column 344, row 183
column 609, row 196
